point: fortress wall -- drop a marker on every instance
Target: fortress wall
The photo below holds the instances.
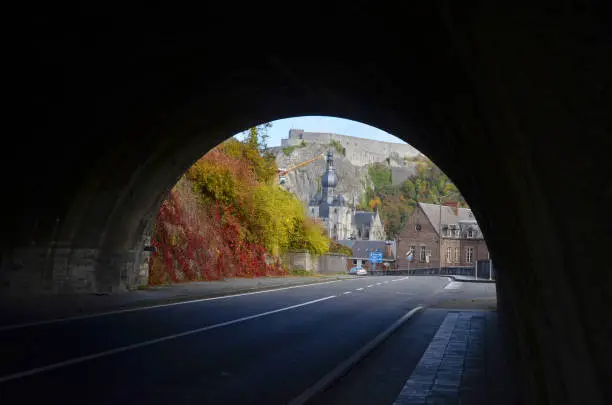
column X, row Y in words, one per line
column 358, row 150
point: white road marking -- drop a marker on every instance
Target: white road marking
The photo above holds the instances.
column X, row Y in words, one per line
column 121, row 311
column 371, row 285
column 347, row 364
column 453, row 285
column 359, row 289
column 150, row 342
column 378, row 283
column 400, row 279
column 346, row 292
column 386, row 282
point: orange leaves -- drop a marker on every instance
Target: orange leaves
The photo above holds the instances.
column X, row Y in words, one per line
column 375, row 203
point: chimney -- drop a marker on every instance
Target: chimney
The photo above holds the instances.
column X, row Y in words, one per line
column 454, row 205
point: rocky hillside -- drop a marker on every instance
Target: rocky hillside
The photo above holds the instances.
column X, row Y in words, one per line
column 353, row 179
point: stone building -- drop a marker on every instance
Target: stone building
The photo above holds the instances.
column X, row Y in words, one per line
column 462, row 241
column 341, row 220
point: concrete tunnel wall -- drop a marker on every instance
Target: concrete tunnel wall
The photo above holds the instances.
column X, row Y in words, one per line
column 510, row 103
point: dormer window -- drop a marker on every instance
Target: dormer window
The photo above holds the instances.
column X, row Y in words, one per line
column 470, row 233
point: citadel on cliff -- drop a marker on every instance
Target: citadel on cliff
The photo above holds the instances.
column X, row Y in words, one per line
column 359, row 151
column 320, row 187
column 339, row 219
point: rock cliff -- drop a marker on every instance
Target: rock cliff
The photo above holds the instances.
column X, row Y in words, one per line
column 353, row 177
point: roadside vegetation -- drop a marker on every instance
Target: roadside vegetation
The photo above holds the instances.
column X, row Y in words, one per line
column 288, row 150
column 226, row 217
column 396, row 202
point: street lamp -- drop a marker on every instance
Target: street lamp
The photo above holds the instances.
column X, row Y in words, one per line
column 440, row 240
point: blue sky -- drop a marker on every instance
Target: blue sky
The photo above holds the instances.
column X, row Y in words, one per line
column 280, row 129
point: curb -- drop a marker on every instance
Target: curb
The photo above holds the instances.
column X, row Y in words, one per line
column 344, row 367
column 461, row 280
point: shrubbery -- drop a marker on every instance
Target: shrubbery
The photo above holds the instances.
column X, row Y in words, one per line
column 226, row 217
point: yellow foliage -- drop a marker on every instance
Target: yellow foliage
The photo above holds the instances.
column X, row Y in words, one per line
column 281, row 220
column 310, row 236
column 375, row 203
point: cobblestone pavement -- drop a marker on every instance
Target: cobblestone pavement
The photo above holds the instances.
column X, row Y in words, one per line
column 453, row 367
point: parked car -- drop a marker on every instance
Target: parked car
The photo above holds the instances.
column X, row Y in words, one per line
column 358, row 270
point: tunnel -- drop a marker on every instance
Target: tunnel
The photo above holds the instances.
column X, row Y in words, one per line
column 512, row 103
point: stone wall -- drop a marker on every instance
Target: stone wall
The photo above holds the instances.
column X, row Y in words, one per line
column 332, row 263
column 300, row 261
column 359, row 151
column 324, row 264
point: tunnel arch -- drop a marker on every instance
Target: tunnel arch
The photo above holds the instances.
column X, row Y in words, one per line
column 118, row 121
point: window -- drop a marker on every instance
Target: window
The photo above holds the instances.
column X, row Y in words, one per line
column 469, row 253
column 470, row 234
column 456, row 233
column 456, row 255
column 422, row 254
column 449, row 254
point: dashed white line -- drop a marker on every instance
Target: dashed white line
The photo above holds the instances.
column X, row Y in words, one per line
column 371, row 285
column 346, row 292
column 400, row 279
column 359, row 289
column 378, row 283
column 121, row 311
column 151, row 342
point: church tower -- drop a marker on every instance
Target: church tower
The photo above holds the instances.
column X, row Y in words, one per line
column 329, row 180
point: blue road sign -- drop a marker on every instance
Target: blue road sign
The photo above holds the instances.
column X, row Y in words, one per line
column 376, row 257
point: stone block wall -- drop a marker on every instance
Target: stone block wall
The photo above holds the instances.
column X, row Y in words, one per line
column 332, row 263
column 359, row 151
column 324, row 264
column 300, row 261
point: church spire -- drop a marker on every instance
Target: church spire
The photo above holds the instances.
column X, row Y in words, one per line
column 329, row 180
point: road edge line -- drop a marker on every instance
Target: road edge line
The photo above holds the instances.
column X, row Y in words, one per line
column 120, row 349
column 344, row 367
column 4, row 328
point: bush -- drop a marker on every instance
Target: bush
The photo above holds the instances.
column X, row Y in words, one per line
column 335, row 247
column 225, row 216
column 338, row 146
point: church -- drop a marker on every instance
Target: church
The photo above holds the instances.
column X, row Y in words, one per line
column 341, row 221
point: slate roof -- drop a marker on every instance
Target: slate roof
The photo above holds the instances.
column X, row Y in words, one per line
column 432, row 211
column 363, row 218
column 362, row 248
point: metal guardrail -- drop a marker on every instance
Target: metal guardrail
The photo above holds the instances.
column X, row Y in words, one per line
column 444, row 271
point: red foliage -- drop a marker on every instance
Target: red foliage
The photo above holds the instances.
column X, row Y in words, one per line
column 195, row 243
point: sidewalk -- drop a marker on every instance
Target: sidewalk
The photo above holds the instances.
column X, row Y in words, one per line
column 17, row 310
column 469, row 279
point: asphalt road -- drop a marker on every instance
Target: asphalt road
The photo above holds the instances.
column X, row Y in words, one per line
column 249, row 349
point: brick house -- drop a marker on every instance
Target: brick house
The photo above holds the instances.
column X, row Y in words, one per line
column 462, row 241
